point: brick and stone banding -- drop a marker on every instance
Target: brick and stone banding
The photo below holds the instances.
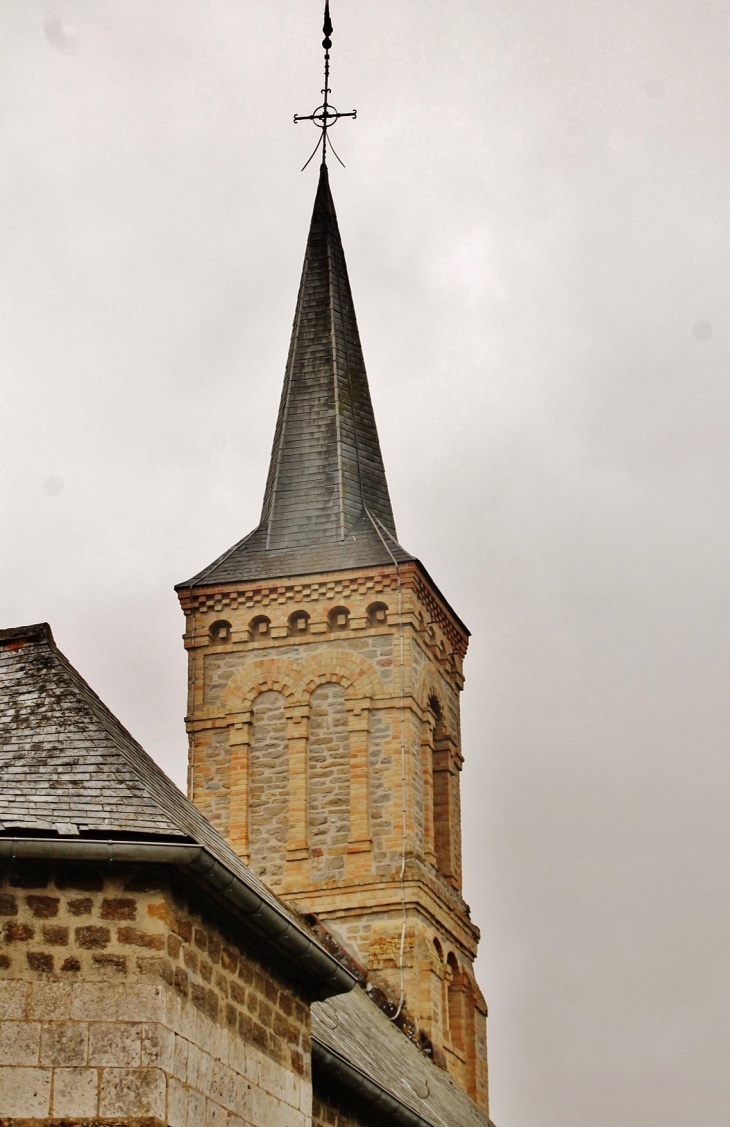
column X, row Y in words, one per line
column 316, row 803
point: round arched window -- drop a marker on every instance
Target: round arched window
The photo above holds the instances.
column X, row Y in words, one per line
column 298, row 623
column 377, row 614
column 260, row 628
column 220, row 632
column 339, row 618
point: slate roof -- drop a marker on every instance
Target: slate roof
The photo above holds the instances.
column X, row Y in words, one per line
column 352, row 1027
column 68, row 766
column 326, row 505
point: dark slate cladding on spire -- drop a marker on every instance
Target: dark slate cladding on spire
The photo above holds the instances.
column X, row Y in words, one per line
column 326, row 504
column 326, row 465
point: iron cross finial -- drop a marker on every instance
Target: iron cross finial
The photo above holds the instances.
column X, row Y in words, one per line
column 325, row 115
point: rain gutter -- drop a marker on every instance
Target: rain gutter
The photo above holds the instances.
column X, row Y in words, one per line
column 266, row 917
column 365, row 1087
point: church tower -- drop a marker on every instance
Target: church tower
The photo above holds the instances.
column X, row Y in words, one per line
column 325, row 669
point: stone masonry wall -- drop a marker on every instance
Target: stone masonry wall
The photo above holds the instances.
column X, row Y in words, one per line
column 329, row 782
column 269, row 789
column 123, row 998
column 357, row 660
column 213, row 771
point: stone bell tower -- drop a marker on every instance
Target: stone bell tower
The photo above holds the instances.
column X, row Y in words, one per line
column 325, row 669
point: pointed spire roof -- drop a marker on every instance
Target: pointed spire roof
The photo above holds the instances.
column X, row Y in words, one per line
column 326, row 504
column 326, row 467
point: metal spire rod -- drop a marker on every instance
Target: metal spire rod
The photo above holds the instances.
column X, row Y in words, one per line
column 325, row 115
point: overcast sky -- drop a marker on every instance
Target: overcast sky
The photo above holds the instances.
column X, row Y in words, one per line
column 535, row 216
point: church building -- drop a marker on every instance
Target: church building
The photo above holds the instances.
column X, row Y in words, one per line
column 289, row 946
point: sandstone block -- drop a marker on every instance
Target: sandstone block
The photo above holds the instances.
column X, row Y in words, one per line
column 64, row 1043
column 80, row 906
column 118, row 908
column 223, row 1085
column 19, row 1042
column 132, row 1092
column 196, row 1108
column 139, row 1003
column 177, row 1103
column 25, row 1093
column 94, row 1001
column 13, row 997
column 116, row 1044
column 215, row 1115
column 157, row 1047
column 75, row 1092
column 180, row 1064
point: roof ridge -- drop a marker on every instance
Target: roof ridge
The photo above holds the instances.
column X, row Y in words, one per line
column 38, row 632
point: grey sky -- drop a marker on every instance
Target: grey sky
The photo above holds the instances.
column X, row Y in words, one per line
column 535, row 214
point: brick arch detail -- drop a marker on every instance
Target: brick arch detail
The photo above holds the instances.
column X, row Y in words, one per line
column 357, row 677
column 296, row 682
column 361, row 685
column 265, row 676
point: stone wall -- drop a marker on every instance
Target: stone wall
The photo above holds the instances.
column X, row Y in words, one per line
column 269, row 789
column 124, row 997
column 329, row 782
column 213, row 781
column 354, row 668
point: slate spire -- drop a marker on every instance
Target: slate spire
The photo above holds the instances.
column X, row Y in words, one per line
column 326, row 504
column 326, row 468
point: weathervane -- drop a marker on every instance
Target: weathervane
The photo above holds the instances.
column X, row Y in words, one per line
column 325, row 115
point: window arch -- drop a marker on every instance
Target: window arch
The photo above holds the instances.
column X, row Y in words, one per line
column 298, row 623
column 377, row 614
column 260, row 627
column 339, row 618
column 220, row 632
